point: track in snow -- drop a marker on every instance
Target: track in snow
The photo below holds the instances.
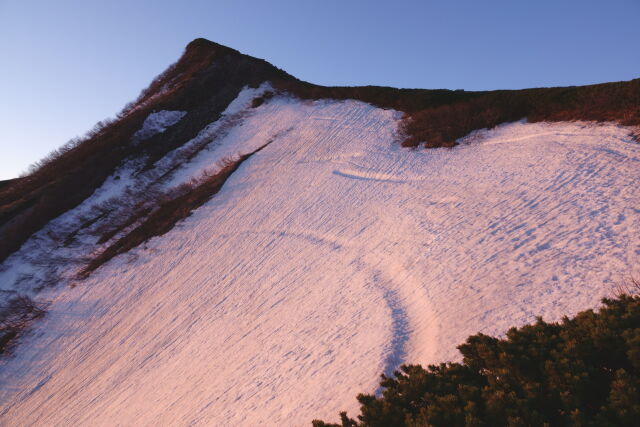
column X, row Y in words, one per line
column 329, row 257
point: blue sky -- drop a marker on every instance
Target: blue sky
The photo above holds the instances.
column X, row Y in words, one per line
column 67, row 64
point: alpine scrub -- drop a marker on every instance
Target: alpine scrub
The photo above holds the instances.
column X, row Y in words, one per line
column 581, row 371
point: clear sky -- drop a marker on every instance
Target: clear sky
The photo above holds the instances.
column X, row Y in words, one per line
column 66, row 64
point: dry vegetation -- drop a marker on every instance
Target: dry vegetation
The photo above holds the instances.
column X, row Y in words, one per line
column 258, row 101
column 15, row 317
column 437, row 118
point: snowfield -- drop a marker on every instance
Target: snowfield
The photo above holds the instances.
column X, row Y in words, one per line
column 158, row 122
column 327, row 258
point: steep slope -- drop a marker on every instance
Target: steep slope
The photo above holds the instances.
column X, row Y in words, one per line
column 331, row 255
column 208, row 76
column 201, row 85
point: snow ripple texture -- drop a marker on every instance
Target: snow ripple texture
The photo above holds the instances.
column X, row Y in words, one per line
column 329, row 257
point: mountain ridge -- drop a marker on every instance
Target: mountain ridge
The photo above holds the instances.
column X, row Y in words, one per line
column 208, row 76
column 249, row 255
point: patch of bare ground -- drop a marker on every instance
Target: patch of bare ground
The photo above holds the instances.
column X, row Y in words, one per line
column 15, row 317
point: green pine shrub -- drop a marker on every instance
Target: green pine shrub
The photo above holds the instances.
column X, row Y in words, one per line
column 583, row 371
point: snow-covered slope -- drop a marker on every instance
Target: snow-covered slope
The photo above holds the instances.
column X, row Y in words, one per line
column 329, row 257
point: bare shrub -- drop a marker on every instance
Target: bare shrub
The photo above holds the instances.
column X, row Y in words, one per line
column 259, row 100
column 437, row 118
column 15, row 316
column 630, row 286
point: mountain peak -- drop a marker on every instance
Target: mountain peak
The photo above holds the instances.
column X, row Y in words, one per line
column 202, row 44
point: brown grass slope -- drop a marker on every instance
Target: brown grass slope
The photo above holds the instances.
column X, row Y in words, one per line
column 437, row 118
column 209, row 76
